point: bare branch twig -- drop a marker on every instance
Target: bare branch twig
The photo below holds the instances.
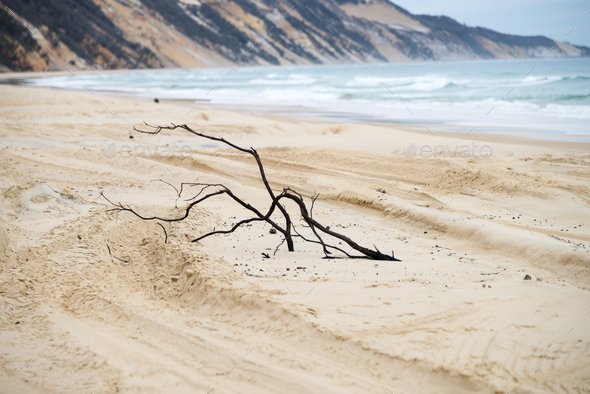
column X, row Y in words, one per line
column 287, row 193
column 165, row 232
column 118, row 258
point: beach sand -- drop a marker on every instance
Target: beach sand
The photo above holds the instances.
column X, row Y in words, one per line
column 454, row 316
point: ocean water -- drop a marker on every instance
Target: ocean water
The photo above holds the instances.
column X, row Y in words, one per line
column 547, row 96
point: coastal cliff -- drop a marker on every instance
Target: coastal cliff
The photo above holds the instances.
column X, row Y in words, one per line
column 128, row 34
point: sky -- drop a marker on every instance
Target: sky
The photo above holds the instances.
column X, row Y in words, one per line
column 551, row 18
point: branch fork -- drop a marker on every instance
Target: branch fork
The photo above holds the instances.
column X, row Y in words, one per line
column 208, row 190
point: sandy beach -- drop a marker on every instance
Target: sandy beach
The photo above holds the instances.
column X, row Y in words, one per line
column 456, row 315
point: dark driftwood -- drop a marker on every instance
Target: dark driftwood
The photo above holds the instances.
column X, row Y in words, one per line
column 211, row 190
column 165, row 232
column 118, row 258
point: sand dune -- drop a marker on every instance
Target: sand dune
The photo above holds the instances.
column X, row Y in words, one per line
column 455, row 316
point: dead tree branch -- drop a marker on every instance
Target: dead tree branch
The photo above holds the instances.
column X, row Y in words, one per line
column 208, row 190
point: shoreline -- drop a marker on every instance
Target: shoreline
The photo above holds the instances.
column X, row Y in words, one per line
column 526, row 136
column 448, row 118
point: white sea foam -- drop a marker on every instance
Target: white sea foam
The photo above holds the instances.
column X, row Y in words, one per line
column 554, row 95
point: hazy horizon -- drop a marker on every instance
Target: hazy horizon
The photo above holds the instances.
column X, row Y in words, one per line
column 551, row 18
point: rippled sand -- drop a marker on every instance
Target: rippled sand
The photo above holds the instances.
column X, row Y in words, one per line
column 455, row 316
